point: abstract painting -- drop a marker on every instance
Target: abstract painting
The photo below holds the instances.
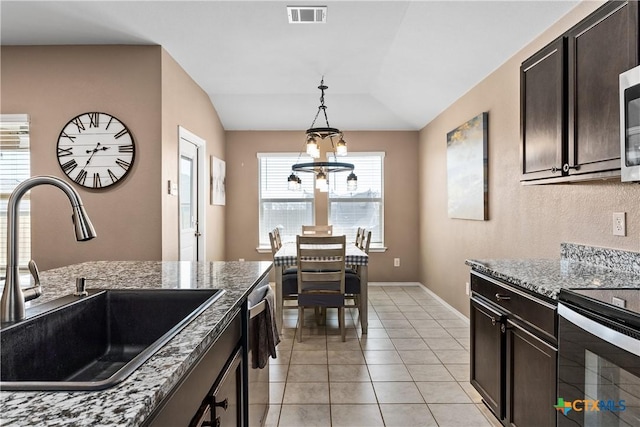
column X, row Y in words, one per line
column 467, row 169
column 218, row 177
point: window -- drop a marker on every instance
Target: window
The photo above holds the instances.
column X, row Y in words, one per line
column 280, row 207
column 14, row 168
column 363, row 207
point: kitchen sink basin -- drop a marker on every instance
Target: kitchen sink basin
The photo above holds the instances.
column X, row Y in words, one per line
column 96, row 341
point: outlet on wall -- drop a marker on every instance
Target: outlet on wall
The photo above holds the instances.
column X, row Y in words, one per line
column 396, row 262
column 466, row 288
column 619, row 224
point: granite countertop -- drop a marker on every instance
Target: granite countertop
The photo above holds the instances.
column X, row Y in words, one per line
column 130, row 402
column 579, row 267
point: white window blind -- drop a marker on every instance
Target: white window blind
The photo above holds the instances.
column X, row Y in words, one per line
column 14, row 168
column 363, row 207
column 280, row 207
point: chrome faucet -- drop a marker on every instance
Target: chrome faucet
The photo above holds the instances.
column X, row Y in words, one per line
column 13, row 296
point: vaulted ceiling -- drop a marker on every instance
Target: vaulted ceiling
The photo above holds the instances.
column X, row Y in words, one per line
column 389, row 65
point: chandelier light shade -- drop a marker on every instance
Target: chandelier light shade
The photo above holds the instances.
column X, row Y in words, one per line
column 321, row 169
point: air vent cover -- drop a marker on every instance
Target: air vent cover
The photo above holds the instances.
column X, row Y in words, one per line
column 307, row 14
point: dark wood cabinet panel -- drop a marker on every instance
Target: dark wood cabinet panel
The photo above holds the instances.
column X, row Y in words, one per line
column 487, row 355
column 599, row 48
column 542, row 100
column 531, row 378
column 569, row 105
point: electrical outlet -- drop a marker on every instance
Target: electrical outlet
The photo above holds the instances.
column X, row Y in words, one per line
column 241, row 259
column 466, row 288
column 396, row 262
column 619, row 224
column 619, row 302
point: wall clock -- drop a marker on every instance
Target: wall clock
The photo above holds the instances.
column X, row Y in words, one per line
column 96, row 150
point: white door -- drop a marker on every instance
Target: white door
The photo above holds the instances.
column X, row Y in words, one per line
column 190, row 195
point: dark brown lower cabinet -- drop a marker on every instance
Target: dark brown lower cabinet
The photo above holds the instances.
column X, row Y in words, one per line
column 487, row 355
column 531, row 379
column 513, row 352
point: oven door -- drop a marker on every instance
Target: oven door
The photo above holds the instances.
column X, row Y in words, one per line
column 598, row 371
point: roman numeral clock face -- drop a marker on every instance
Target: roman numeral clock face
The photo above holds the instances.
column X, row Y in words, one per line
column 96, row 150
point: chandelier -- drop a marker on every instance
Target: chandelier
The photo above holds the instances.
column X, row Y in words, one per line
column 322, row 169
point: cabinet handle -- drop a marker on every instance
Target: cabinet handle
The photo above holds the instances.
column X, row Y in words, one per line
column 502, row 297
column 566, row 167
column 224, row 404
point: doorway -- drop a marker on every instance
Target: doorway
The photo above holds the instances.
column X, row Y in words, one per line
column 191, row 196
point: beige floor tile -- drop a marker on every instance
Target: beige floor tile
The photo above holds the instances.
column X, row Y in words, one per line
column 389, row 373
column 437, row 332
column 355, row 416
column 306, row 393
column 397, row 392
column 443, row 313
column 460, row 333
column 376, row 344
column 443, row 344
column 357, row 392
column 419, row 357
column 311, row 343
column 456, row 415
column 276, row 393
column 442, row 392
column 488, row 415
column 471, row 391
column 374, row 333
column 453, row 323
column 336, row 343
column 278, row 373
column 387, row 309
column 305, row 416
column 416, row 308
column 453, row 356
column 407, row 415
column 282, row 357
column 349, row 373
column 308, row 374
column 402, row 333
column 424, row 323
column 345, row 357
column 429, row 373
column 285, row 344
column 373, row 324
column 392, row 324
column 273, row 416
column 309, row 357
column 409, row 344
column 460, row 372
column 391, row 315
column 417, row 315
column 382, row 357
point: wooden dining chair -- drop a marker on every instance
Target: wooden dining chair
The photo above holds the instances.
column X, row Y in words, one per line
column 289, row 275
column 353, row 281
column 359, row 236
column 321, row 276
column 317, row 230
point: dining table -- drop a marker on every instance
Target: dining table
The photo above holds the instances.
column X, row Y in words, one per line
column 287, row 257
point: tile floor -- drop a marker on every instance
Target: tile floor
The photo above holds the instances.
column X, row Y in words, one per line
column 411, row 369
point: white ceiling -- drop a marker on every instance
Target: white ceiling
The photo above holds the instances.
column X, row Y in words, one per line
column 389, row 65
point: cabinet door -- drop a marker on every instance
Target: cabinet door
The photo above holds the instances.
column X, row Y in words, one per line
column 227, row 395
column 531, row 379
column 542, row 113
column 601, row 47
column 487, row 355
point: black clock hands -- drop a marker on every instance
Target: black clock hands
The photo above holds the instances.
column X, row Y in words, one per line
column 94, row 151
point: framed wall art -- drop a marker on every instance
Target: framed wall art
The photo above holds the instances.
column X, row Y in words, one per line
column 467, row 186
column 218, row 177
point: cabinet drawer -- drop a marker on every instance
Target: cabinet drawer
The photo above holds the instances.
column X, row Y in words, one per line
column 534, row 311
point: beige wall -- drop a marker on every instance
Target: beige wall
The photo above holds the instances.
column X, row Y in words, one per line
column 524, row 221
column 145, row 88
column 401, row 195
column 185, row 104
column 54, row 84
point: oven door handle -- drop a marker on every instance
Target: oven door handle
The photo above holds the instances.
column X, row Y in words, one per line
column 592, row 327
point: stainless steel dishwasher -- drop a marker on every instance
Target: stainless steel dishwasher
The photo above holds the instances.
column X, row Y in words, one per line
column 258, row 378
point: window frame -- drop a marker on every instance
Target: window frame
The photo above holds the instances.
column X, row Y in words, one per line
column 375, row 244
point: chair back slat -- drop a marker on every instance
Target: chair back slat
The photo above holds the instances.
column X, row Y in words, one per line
column 317, row 230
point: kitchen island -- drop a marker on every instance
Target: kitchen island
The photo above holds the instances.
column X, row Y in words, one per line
column 132, row 401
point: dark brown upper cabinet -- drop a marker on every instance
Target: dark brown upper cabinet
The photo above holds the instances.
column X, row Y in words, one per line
column 574, row 81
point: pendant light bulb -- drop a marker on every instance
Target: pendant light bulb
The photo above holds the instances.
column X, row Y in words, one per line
column 321, row 180
column 352, row 182
column 341, row 148
column 312, row 148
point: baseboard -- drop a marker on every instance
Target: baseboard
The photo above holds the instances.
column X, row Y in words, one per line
column 443, row 302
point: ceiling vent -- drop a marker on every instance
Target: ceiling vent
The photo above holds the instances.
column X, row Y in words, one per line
column 307, row 14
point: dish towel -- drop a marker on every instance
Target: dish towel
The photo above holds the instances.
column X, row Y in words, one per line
column 265, row 333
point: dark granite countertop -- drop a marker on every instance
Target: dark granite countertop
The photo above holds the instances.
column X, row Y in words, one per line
column 579, row 267
column 130, row 402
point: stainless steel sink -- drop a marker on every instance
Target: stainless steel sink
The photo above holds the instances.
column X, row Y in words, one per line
column 94, row 342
